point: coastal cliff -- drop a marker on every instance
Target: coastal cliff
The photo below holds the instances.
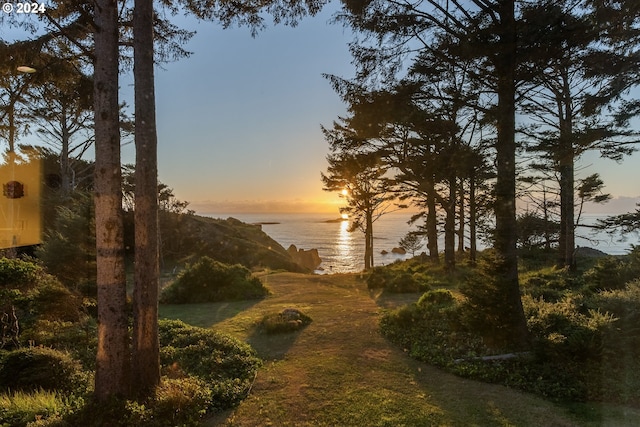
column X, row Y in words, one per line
column 187, row 237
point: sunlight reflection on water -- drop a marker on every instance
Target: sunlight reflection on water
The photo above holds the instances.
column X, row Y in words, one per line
column 343, row 252
column 340, row 250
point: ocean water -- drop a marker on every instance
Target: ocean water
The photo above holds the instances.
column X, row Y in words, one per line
column 342, row 251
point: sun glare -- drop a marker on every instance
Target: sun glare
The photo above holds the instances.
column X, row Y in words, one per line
column 344, row 216
column 344, row 192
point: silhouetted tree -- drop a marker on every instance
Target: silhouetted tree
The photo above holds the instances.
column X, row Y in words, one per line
column 412, row 242
column 562, row 98
column 366, row 189
column 485, row 33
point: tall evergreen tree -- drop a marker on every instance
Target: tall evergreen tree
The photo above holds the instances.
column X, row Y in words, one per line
column 146, row 347
column 113, row 357
column 483, row 31
column 562, row 99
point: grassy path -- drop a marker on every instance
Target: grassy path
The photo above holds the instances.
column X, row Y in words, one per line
column 340, row 371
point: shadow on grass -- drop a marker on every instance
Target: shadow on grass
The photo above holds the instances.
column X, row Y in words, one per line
column 272, row 346
column 205, row 315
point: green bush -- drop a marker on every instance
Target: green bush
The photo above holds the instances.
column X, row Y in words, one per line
column 15, row 273
column 404, row 282
column 437, row 297
column 396, row 280
column 80, row 339
column 551, row 284
column 30, row 369
column 585, row 343
column 210, row 281
column 32, row 294
column 612, row 273
column 378, row 278
column 288, row 320
column 68, row 249
column 227, row 365
column 181, row 401
column 486, row 311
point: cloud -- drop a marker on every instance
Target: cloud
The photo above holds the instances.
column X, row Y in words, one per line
column 615, row 206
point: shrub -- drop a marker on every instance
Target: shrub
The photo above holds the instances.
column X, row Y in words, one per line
column 437, row 297
column 611, row 273
column 551, row 284
column 16, row 272
column 288, row 320
column 182, row 401
column 486, row 311
column 227, row 365
column 210, row 281
column 31, row 369
column 80, row 339
column 431, row 329
column 32, row 294
column 404, row 282
column 378, row 278
column 585, row 345
column 68, row 249
column 396, row 280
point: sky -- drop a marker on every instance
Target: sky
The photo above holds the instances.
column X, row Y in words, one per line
column 239, row 122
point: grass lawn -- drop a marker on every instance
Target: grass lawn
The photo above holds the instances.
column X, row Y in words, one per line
column 339, row 371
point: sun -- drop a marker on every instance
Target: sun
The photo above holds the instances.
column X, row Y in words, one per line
column 344, row 192
column 344, row 216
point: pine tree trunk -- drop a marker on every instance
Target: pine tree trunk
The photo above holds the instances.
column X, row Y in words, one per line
column 146, row 359
column 65, row 167
column 473, row 247
column 505, row 202
column 461, row 217
column 113, row 358
column 368, row 238
column 567, row 243
column 450, row 226
column 432, row 223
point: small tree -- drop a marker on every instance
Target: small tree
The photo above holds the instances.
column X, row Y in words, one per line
column 360, row 178
column 412, row 242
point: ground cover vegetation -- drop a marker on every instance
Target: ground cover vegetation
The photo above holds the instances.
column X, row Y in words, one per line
column 340, row 370
column 584, row 342
column 48, row 355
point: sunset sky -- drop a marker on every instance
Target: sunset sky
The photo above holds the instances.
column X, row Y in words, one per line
column 239, row 121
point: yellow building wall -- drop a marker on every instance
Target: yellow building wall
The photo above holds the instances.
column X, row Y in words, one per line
column 20, row 217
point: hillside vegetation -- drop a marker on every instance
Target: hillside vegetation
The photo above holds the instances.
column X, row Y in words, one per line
column 186, row 237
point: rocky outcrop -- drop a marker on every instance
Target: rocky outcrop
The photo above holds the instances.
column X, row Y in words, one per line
column 189, row 237
column 308, row 259
column 399, row 251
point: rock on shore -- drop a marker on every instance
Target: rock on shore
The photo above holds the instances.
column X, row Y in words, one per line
column 306, row 258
